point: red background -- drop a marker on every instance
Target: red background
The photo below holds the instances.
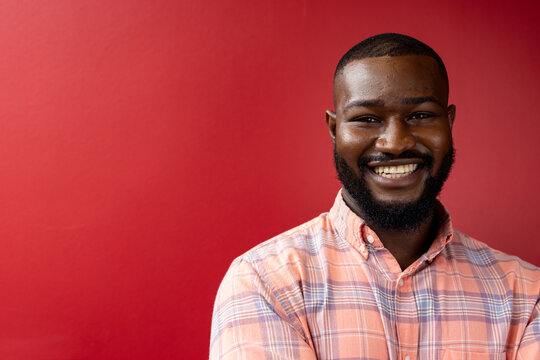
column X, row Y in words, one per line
column 145, row 144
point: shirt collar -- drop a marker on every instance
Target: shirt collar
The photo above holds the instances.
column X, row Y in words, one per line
column 359, row 235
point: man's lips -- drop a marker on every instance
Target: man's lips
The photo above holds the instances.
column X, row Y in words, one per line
column 395, row 162
column 392, row 170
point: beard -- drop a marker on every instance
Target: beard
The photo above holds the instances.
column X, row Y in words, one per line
column 394, row 215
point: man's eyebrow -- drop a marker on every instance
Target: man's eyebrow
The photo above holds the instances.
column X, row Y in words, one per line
column 364, row 103
column 421, row 100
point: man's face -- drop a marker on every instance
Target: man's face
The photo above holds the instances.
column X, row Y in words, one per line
column 392, row 135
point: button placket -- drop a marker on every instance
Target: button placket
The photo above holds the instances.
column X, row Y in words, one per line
column 406, row 307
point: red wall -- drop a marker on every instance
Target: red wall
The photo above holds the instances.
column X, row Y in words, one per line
column 145, row 144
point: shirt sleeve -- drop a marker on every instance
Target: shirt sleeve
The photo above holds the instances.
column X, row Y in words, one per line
column 250, row 323
column 529, row 348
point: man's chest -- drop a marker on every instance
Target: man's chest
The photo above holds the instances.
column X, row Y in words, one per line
column 367, row 314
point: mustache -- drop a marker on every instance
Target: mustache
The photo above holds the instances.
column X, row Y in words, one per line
column 428, row 160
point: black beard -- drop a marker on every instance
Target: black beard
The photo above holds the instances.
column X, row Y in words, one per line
column 394, row 215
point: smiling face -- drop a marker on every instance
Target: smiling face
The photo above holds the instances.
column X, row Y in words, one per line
column 392, row 136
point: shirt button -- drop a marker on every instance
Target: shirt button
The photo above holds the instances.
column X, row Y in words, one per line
column 401, row 284
column 363, row 248
column 370, row 239
column 407, row 357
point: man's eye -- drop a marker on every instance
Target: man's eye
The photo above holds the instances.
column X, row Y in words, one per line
column 366, row 119
column 419, row 116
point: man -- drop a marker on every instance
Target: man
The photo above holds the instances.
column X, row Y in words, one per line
column 383, row 274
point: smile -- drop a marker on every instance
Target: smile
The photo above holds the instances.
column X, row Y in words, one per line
column 395, row 172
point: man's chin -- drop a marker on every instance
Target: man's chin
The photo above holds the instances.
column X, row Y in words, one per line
column 395, row 200
column 396, row 215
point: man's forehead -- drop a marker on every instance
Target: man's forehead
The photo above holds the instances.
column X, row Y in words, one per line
column 391, row 75
column 390, row 67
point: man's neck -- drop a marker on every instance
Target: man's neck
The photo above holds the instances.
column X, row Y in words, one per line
column 405, row 245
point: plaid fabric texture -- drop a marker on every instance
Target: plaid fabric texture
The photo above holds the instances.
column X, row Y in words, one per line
column 328, row 289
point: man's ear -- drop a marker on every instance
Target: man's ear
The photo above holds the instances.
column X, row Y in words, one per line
column 451, row 115
column 331, row 123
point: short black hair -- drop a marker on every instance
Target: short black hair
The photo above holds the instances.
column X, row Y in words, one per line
column 388, row 44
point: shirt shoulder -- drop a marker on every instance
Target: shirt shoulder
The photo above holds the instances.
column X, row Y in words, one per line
column 484, row 260
column 290, row 260
column 304, row 241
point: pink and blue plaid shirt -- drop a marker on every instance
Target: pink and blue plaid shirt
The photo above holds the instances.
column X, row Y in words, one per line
column 329, row 289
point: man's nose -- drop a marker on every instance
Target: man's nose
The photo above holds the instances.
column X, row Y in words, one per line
column 395, row 138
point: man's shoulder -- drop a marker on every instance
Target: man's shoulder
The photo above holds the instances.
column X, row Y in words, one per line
column 282, row 262
column 302, row 240
column 480, row 255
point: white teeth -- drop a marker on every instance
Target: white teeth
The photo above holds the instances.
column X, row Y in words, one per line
column 394, row 172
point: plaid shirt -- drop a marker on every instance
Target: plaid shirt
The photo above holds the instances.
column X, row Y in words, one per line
column 329, row 289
